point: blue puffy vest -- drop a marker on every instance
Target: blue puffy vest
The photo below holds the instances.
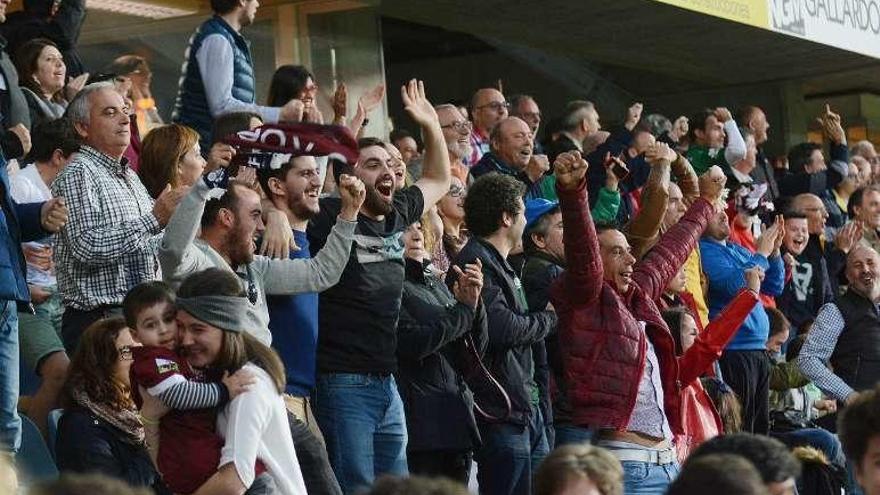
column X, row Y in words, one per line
column 191, row 106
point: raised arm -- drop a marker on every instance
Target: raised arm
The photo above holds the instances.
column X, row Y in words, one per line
column 436, row 173
column 686, row 178
column 646, row 225
column 178, row 257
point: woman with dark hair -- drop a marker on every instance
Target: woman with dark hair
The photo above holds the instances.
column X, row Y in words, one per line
column 295, row 82
column 101, row 430
column 212, row 309
column 42, row 75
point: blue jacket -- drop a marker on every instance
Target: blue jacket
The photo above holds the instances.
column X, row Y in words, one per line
column 724, row 265
column 18, row 223
column 191, row 106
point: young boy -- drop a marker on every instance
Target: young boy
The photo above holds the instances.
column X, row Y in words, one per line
column 189, row 449
column 859, row 431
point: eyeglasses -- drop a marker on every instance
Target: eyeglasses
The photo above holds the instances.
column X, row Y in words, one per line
column 456, row 192
column 496, row 105
column 531, row 116
column 462, row 126
column 125, row 353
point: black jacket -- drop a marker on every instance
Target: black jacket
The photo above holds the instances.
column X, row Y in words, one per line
column 512, row 328
column 63, row 29
column 88, row 444
column 439, row 406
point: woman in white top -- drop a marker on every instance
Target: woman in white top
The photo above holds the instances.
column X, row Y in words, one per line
column 211, row 320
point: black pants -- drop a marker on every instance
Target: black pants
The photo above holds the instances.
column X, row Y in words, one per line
column 748, row 374
column 452, row 464
column 75, row 321
column 313, row 461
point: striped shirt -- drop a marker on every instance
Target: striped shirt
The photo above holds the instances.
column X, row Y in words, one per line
column 109, row 244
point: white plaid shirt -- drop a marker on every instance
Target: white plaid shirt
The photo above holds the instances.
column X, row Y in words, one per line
column 109, row 244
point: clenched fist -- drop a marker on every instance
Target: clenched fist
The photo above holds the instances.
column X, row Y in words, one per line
column 352, row 191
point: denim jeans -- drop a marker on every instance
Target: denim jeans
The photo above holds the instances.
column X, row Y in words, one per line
column 510, row 454
column 362, row 419
column 643, row 478
column 570, row 434
column 817, row 438
column 10, row 423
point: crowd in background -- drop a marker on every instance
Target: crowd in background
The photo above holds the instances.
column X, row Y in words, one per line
column 262, row 299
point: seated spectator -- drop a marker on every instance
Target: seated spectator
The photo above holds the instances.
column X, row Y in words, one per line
column 836, row 199
column 512, row 448
column 865, row 149
column 580, row 468
column 218, row 74
column 776, row 465
column 510, row 153
column 171, row 156
column 40, row 332
column 744, row 364
column 488, row 108
column 105, row 249
column 216, row 335
column 726, row 403
column 60, row 22
column 136, row 69
column 415, row 485
column 727, row 474
column 526, row 108
column 86, row 484
column 43, row 77
column 859, row 430
column 807, row 170
column 433, row 323
column 101, row 430
column 601, row 299
column 580, row 120
column 708, row 131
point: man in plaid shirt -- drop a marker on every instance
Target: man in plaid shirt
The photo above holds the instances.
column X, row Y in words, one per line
column 109, row 244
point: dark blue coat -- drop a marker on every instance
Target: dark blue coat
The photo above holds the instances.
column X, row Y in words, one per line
column 19, row 223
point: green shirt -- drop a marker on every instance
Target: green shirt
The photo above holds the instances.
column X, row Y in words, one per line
column 703, row 158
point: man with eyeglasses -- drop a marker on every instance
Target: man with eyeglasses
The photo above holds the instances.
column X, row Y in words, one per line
column 526, row 108
column 488, row 108
column 457, row 134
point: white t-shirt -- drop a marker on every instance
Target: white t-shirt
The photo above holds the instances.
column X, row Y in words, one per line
column 28, row 187
column 255, row 427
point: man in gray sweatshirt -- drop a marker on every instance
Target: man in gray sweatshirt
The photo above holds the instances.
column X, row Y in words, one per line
column 230, row 225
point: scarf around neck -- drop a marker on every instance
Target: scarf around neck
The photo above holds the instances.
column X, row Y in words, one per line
column 126, row 420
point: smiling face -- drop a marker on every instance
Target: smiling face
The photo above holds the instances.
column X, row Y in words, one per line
column 246, row 227
column 51, row 71
column 157, row 326
column 451, row 205
column 201, row 343
column 797, row 234
column 861, row 271
column 376, row 169
column 191, row 165
column 869, row 211
column 300, row 187
column 688, row 332
column 399, row 165
column 124, row 343
column 718, row 228
column 456, row 132
column 514, row 143
column 617, row 259
column 813, row 207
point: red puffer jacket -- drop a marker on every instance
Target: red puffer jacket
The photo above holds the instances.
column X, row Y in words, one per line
column 603, row 346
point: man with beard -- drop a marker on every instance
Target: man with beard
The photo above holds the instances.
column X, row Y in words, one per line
column 456, row 133
column 846, row 333
column 357, row 403
column 511, row 154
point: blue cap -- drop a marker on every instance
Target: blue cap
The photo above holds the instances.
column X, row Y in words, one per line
column 537, row 208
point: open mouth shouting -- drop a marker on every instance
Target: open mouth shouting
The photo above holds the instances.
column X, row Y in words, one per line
column 385, row 187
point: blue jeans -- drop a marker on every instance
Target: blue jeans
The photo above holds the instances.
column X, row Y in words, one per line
column 817, row 438
column 10, row 423
column 364, row 428
column 642, row 478
column 510, row 454
column 570, row 434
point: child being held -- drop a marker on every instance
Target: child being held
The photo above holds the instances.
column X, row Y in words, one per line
column 189, row 447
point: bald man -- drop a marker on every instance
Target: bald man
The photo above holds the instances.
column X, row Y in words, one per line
column 488, row 108
column 510, row 153
column 847, row 333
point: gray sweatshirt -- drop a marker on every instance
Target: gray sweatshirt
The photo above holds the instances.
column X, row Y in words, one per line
column 181, row 254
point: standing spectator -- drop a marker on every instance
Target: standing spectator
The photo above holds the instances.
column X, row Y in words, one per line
column 865, row 149
column 810, row 285
column 609, row 322
column 456, row 132
column 218, row 73
column 836, row 199
column 106, row 248
column 406, row 143
column 513, row 448
column 454, row 235
column 846, row 333
column 18, row 223
column 136, row 68
column 101, row 430
column 526, row 108
column 170, row 156
column 859, row 432
column 580, row 120
column 15, row 119
column 358, row 405
column 42, row 74
column 744, row 364
column 488, row 108
column 58, row 21
column 807, row 170
column 434, row 322
column 864, row 209
column 40, row 332
column 708, row 129
column 511, row 154
column 754, row 119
